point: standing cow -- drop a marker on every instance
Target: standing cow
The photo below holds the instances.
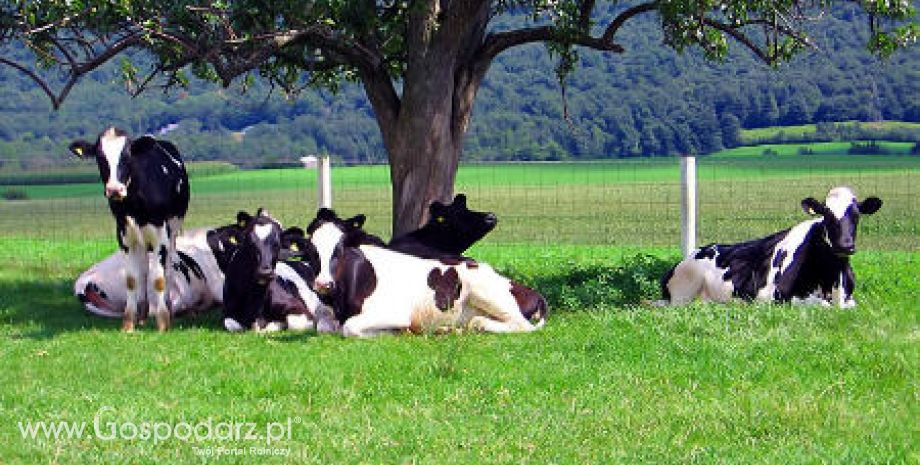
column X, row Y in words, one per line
column 809, row 262
column 148, row 192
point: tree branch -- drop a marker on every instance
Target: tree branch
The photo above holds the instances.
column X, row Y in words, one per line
column 626, row 15
column 56, row 99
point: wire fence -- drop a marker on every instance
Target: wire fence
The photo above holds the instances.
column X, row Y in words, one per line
column 48, row 219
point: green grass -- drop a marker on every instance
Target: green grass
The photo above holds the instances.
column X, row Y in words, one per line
column 600, row 384
column 608, row 380
column 753, row 136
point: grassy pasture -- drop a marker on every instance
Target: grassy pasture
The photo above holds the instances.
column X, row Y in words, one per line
column 752, row 136
column 607, row 381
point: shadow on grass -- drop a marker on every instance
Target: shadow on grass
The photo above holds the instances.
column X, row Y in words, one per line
column 627, row 282
column 42, row 310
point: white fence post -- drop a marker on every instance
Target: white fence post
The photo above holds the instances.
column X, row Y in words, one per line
column 687, row 204
column 324, row 182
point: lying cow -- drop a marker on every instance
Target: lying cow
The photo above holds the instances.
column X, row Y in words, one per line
column 197, row 280
column 452, row 229
column 267, row 279
column 148, row 192
column 374, row 290
column 809, row 262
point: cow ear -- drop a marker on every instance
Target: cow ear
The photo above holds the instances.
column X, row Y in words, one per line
column 294, row 231
column 460, row 200
column 82, row 149
column 243, row 219
column 356, row 221
column 870, row 205
column 326, row 214
column 436, row 209
column 813, row 207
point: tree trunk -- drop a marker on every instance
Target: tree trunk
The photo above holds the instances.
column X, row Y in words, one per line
column 424, row 153
column 423, row 129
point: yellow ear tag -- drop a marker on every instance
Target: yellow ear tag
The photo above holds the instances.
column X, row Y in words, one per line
column 439, row 219
column 356, row 224
column 242, row 224
column 294, row 248
column 811, row 211
column 79, row 151
column 232, row 240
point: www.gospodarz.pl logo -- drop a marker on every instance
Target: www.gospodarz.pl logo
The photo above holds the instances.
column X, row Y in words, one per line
column 209, row 430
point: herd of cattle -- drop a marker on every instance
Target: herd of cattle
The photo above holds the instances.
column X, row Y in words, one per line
column 335, row 277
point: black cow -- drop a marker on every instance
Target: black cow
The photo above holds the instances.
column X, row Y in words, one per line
column 451, row 230
column 268, row 273
column 809, row 262
column 148, row 192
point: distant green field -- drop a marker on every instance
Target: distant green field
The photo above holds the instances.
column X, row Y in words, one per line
column 753, row 136
column 833, row 152
column 630, row 202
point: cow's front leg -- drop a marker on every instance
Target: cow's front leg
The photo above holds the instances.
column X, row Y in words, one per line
column 162, row 265
column 365, row 325
column 488, row 325
column 135, row 284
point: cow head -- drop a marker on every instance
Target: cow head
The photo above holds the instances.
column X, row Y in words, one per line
column 296, row 247
column 841, row 213
column 225, row 240
column 457, row 226
column 111, row 150
column 262, row 240
column 327, row 232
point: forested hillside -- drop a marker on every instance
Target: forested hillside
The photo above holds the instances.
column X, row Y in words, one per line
column 649, row 101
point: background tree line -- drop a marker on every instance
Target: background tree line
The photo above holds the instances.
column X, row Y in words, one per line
column 650, row 101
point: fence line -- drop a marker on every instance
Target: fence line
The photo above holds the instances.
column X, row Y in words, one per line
column 626, row 203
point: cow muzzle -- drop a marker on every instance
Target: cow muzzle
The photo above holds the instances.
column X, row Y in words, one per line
column 116, row 191
column 845, row 251
column 323, row 287
column 264, row 276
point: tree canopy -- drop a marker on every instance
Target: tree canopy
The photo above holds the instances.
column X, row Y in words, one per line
column 421, row 62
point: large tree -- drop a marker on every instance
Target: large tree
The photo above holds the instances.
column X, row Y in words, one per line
column 421, row 62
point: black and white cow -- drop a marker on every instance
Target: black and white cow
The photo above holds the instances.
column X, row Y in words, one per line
column 147, row 187
column 268, row 273
column 375, row 290
column 198, row 281
column 808, row 263
column 452, row 229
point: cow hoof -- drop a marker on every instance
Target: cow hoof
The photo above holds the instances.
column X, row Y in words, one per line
column 299, row 322
column 163, row 322
column 231, row 325
column 127, row 326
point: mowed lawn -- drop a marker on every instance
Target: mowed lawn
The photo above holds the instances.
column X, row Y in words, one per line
column 608, row 380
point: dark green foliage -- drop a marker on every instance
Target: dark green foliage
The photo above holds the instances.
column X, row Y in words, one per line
column 14, row 193
column 915, row 150
column 867, row 148
column 577, row 285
